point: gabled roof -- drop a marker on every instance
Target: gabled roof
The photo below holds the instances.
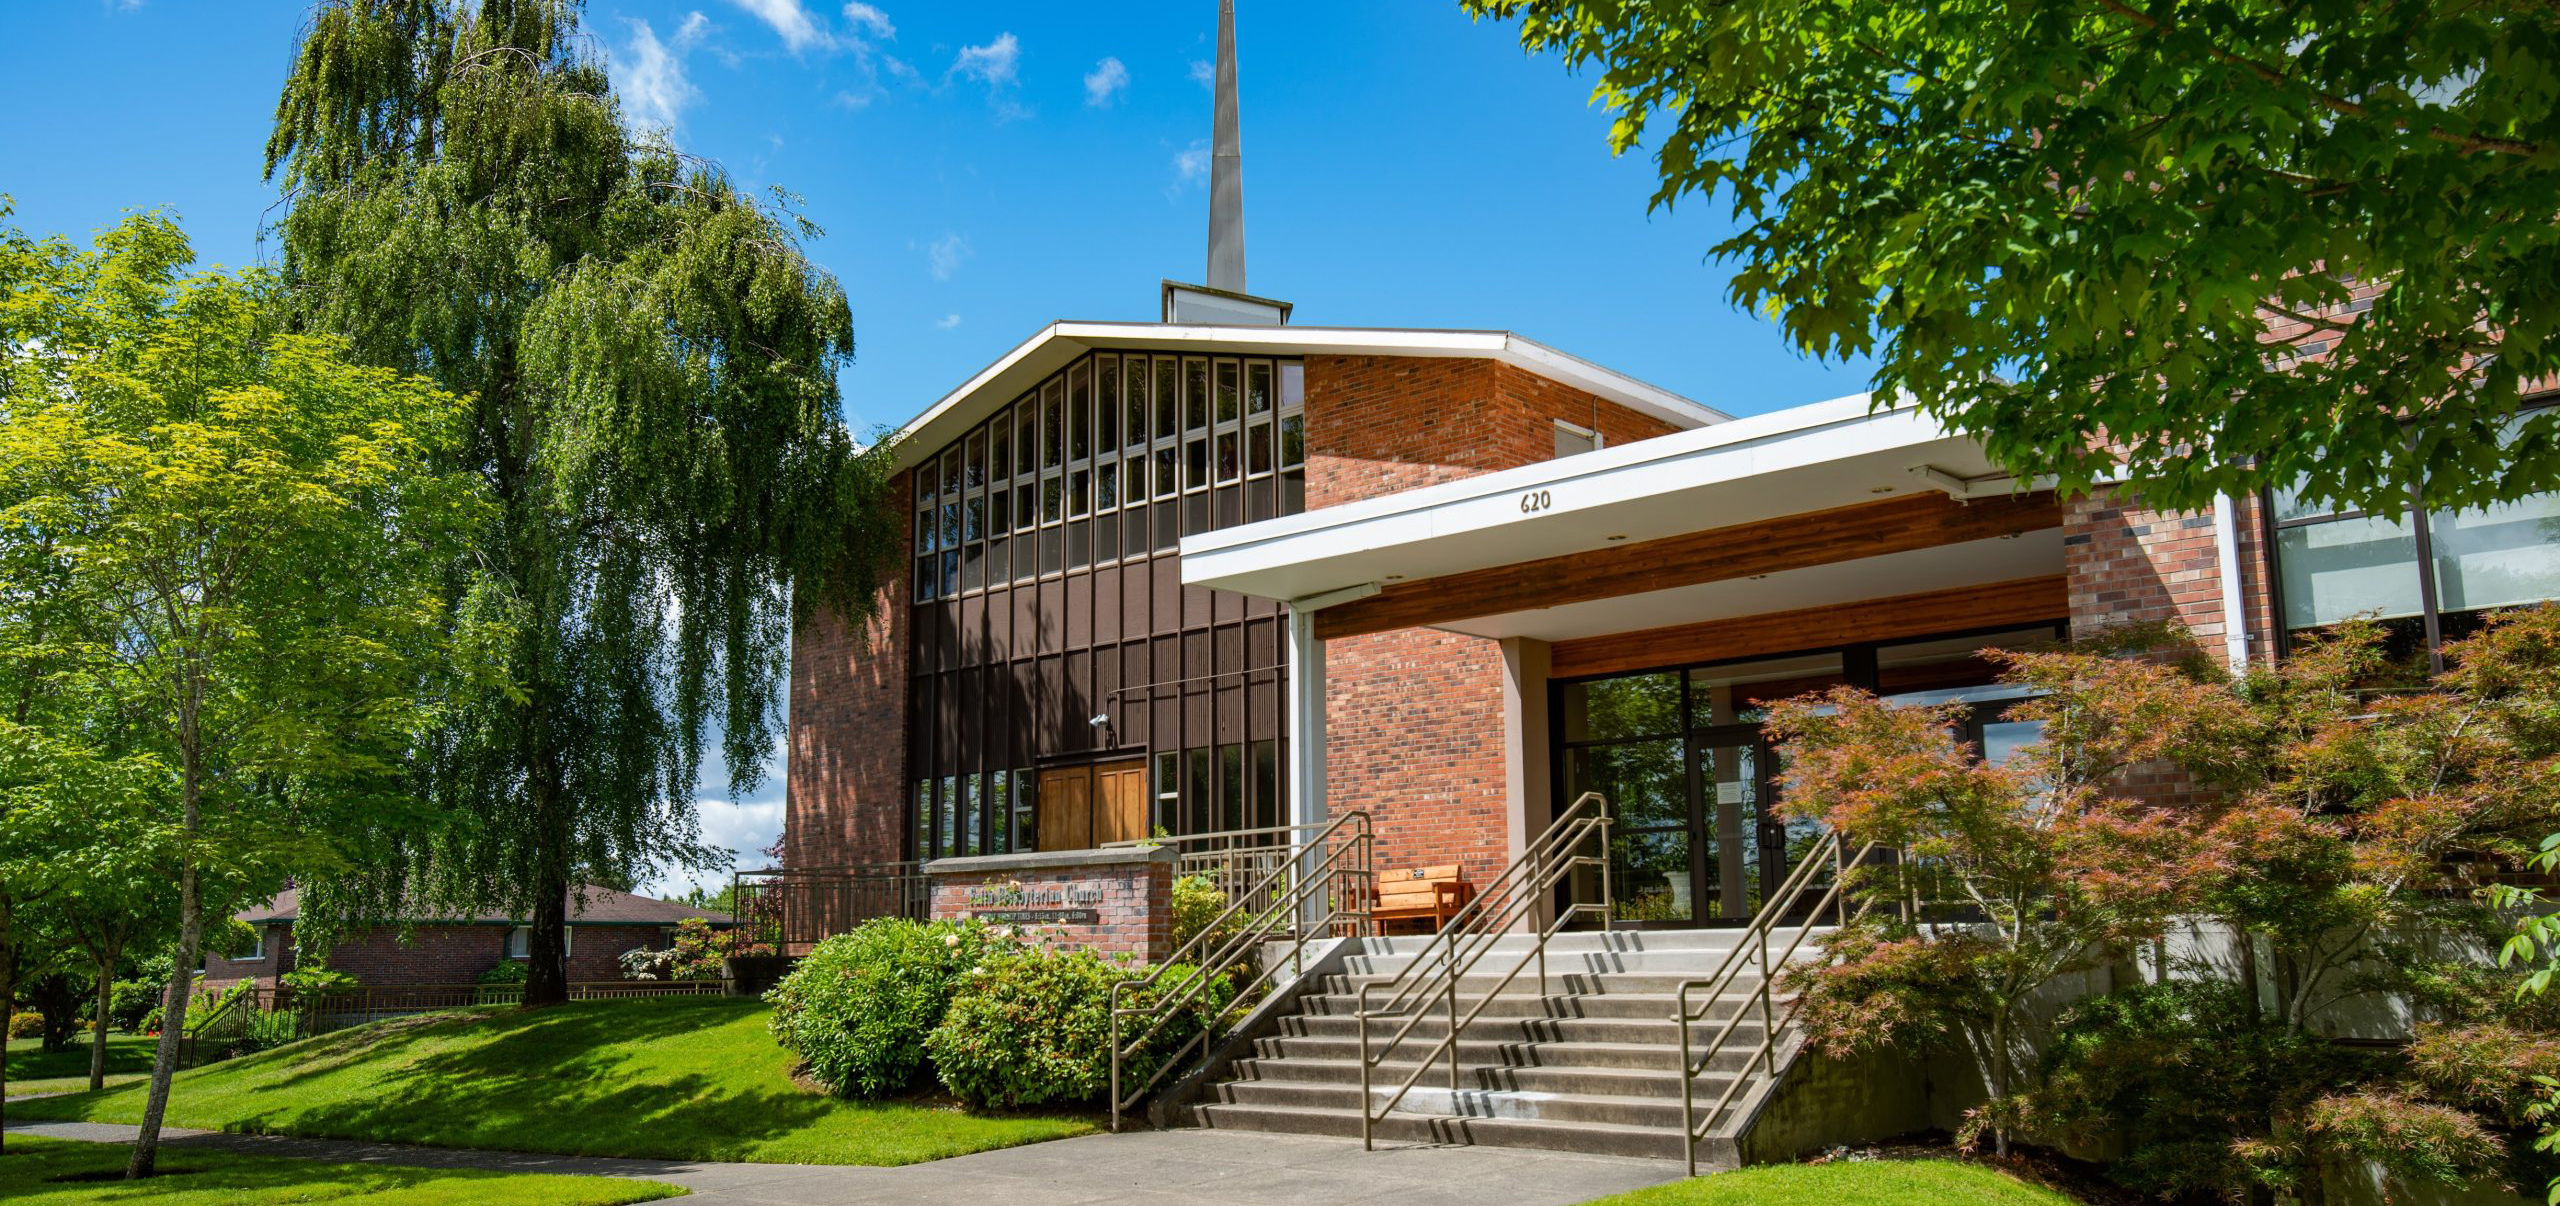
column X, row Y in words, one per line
column 603, row 906
column 1017, row 371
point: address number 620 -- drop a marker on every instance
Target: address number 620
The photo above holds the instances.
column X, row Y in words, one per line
column 1535, row 501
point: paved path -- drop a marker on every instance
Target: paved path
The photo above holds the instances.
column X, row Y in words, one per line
column 1141, row 1168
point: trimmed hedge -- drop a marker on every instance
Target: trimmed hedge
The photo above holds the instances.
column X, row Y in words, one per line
column 858, row 1007
column 1033, row 1027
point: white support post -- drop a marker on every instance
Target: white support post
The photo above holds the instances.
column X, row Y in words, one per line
column 1306, row 749
column 2226, row 556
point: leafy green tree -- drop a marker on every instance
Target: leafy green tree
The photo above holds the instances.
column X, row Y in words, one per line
column 2137, row 227
column 250, row 527
column 650, row 359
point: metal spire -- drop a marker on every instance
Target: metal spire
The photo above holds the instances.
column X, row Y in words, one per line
column 1226, row 167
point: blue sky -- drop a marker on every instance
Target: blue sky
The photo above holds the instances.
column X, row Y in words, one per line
column 982, row 169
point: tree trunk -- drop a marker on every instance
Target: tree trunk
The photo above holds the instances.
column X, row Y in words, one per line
column 98, row 1024
column 173, row 1020
column 2001, row 1075
column 547, row 962
column 8, row 994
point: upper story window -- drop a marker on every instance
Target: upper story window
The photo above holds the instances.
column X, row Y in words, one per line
column 1115, row 457
column 2426, row 573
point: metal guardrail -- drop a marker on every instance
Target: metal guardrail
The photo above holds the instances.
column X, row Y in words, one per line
column 1328, row 882
column 1517, row 895
column 1239, row 861
column 1753, row 947
column 791, row 909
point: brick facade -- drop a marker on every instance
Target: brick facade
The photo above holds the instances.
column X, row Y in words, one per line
column 2125, row 563
column 1415, row 715
column 845, row 799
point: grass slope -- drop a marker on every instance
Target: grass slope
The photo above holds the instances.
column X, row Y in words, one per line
column 32, row 1069
column 29, row 1172
column 693, row 1078
column 1863, row 1182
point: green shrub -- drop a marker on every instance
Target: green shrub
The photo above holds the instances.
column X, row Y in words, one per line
column 506, row 971
column 23, row 1025
column 1034, row 1027
column 1197, row 902
column 131, row 1000
column 858, row 1007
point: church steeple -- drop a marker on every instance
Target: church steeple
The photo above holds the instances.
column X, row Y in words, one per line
column 1224, row 301
column 1226, row 167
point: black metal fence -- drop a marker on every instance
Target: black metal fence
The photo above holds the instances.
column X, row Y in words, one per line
column 792, row 909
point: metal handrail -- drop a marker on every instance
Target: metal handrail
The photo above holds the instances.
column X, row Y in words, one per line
column 1754, row 945
column 1267, row 917
column 1523, row 886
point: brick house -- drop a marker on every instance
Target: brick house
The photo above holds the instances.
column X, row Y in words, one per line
column 449, row 952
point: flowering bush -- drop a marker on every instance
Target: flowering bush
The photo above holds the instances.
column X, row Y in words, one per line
column 641, row 963
column 1033, row 1027
column 858, row 1008
column 26, row 1025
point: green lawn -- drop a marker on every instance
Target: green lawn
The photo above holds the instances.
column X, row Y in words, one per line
column 31, row 1172
column 694, row 1078
column 35, row 1070
column 1850, row 1183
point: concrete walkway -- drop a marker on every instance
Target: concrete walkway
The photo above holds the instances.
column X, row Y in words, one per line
column 1141, row 1168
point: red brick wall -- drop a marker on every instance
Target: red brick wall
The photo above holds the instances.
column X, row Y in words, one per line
column 1415, row 715
column 845, row 794
column 2124, row 563
column 439, row 954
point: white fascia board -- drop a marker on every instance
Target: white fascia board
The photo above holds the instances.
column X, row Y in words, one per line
column 1585, row 486
column 1061, row 341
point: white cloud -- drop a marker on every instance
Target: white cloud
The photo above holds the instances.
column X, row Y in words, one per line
column 946, row 322
column 1204, row 73
column 873, row 22
column 798, row 29
column 650, row 77
column 1191, row 163
column 690, row 34
column 944, row 256
column 867, row 26
column 1108, row 79
column 995, row 64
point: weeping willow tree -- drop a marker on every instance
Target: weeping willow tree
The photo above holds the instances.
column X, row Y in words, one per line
column 651, row 359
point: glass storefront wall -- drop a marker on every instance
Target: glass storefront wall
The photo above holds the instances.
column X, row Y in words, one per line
column 1692, row 780
column 2427, row 574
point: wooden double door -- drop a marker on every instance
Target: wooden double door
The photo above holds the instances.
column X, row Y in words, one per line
column 1086, row 806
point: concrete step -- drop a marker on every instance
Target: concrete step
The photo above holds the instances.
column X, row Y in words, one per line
column 1526, row 1078
column 1436, row 1099
column 1689, row 963
column 1433, row 1025
column 1577, row 942
column 1485, row 1054
column 1590, row 1138
column 1499, row 981
column 1654, row 1005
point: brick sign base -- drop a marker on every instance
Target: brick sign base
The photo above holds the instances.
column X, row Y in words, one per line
column 1118, row 902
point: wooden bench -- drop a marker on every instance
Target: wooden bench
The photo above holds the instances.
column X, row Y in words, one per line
column 1426, row 894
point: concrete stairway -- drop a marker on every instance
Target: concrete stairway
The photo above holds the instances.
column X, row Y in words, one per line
column 1591, row 1064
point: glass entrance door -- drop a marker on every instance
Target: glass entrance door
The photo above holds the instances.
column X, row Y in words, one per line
column 1692, row 785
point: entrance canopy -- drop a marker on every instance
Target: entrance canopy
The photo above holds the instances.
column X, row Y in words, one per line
column 1745, row 525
